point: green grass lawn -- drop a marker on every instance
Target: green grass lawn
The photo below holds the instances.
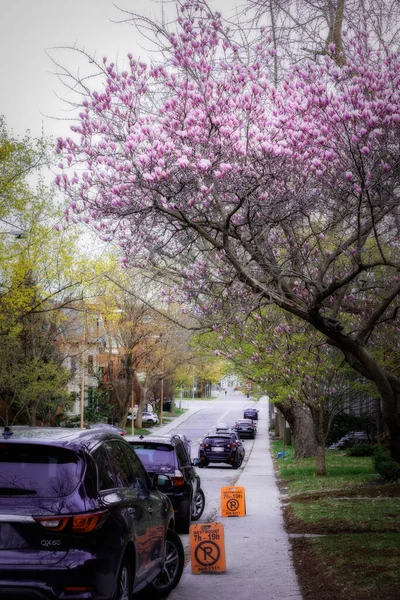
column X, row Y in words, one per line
column 355, row 554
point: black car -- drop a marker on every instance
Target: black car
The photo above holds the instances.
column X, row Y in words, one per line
column 245, row 428
column 168, row 455
column 80, row 518
column 221, row 447
column 250, row 413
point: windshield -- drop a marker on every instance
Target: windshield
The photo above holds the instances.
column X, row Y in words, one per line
column 39, row 471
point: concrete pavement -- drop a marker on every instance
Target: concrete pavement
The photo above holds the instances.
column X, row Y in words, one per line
column 258, row 556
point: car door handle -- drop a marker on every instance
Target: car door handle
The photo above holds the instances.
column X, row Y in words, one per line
column 150, row 509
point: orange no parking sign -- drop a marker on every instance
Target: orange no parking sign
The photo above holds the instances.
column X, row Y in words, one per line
column 207, row 548
column 233, row 502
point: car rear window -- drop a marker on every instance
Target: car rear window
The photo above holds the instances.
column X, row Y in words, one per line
column 38, row 471
column 217, row 438
column 156, row 456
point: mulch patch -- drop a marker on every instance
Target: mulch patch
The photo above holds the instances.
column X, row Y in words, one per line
column 316, row 572
column 318, row 582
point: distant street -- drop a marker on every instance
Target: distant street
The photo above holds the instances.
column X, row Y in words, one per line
column 222, row 409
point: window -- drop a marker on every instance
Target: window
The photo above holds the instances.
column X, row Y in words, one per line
column 139, row 473
column 156, row 456
column 73, row 365
column 182, row 455
column 104, row 469
column 38, row 471
column 123, row 473
column 90, row 363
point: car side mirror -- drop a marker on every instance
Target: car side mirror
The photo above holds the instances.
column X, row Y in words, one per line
column 196, row 462
column 163, row 483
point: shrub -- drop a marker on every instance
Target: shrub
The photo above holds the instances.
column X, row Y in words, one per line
column 385, row 465
column 362, row 450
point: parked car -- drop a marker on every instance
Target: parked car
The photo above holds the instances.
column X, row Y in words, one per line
column 80, row 518
column 246, row 428
column 185, row 440
column 250, row 413
column 222, row 447
column 113, row 428
column 168, row 455
column 220, row 427
column 149, row 418
column 351, row 439
column 226, row 429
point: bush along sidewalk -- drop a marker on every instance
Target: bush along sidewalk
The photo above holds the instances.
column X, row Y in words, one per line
column 344, row 527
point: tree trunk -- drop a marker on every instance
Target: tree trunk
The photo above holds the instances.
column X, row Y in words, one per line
column 318, row 418
column 300, row 420
column 31, row 412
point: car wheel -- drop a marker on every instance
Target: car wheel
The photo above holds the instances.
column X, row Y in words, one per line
column 198, row 505
column 124, row 583
column 183, row 524
column 173, row 566
column 149, row 423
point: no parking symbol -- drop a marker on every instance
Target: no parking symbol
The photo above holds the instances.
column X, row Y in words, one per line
column 233, row 503
column 207, row 548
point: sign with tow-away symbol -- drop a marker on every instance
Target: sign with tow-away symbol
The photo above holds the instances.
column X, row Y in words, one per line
column 207, row 548
column 233, row 502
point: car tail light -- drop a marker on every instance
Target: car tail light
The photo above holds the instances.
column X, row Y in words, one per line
column 202, row 445
column 85, row 523
column 233, row 445
column 177, row 478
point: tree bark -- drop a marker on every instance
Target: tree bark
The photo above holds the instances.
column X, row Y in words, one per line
column 318, row 418
column 301, row 423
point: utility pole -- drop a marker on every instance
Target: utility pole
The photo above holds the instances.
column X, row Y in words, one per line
column 83, row 376
column 133, row 408
column 162, row 392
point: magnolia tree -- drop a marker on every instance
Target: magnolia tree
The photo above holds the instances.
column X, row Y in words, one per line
column 287, row 196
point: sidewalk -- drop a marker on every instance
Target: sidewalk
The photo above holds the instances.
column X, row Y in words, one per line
column 258, row 556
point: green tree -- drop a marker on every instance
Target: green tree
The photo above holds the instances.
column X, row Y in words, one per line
column 40, row 272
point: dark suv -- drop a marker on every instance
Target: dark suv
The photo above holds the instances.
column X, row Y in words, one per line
column 169, row 455
column 224, row 447
column 246, row 428
column 250, row 413
column 80, row 518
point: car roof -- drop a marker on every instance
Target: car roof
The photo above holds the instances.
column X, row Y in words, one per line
column 244, row 421
column 73, row 438
column 251, row 408
column 153, row 439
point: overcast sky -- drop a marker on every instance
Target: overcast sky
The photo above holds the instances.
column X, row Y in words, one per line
column 28, row 27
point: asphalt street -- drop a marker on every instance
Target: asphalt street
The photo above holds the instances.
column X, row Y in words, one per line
column 257, row 549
